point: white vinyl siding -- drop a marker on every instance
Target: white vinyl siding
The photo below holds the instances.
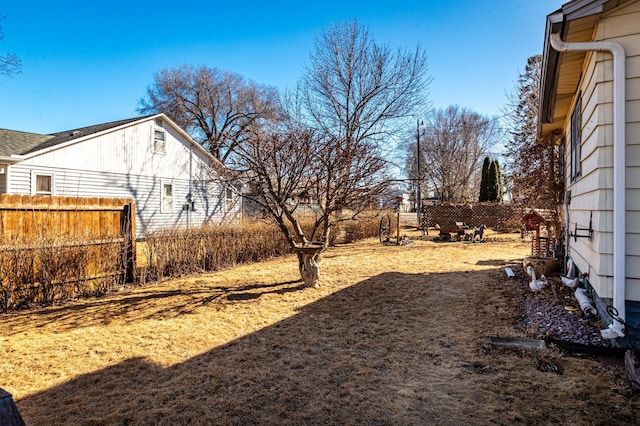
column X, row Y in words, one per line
column 121, row 164
column 145, row 191
column 592, row 193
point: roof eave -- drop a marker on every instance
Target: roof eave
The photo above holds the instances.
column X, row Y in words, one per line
column 11, row 159
column 557, row 22
column 550, row 59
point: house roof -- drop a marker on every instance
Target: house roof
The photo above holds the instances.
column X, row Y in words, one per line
column 575, row 21
column 14, row 142
column 16, row 145
column 540, row 215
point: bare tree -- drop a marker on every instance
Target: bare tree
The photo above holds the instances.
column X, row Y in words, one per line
column 327, row 149
column 9, row 63
column 355, row 89
column 534, row 167
column 218, row 108
column 287, row 165
column 453, row 146
column 354, row 95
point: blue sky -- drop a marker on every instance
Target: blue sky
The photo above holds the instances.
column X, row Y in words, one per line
column 86, row 62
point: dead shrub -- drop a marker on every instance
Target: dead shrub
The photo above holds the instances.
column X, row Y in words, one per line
column 55, row 268
column 355, row 230
column 179, row 252
column 346, row 231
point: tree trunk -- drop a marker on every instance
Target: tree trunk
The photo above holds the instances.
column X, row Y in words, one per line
column 309, row 258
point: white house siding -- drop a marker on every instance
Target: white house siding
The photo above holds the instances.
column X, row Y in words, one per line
column 122, row 164
column 593, row 191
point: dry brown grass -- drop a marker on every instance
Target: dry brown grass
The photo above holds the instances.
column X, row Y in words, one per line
column 396, row 335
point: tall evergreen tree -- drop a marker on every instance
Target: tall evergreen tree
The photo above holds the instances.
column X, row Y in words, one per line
column 455, row 143
column 484, row 180
column 499, row 190
column 491, row 187
column 494, row 192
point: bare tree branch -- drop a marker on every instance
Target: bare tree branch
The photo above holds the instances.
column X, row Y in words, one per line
column 218, row 108
column 10, row 65
column 355, row 89
column 534, row 167
column 454, row 143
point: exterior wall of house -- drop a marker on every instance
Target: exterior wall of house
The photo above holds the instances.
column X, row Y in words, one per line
column 123, row 163
column 3, row 178
column 592, row 192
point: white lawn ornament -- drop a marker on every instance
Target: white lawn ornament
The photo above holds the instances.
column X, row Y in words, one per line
column 571, row 280
column 536, row 284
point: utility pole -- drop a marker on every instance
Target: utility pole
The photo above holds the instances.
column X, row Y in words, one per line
column 419, row 177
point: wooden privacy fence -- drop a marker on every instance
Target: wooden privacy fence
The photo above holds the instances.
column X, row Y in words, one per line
column 58, row 247
column 500, row 217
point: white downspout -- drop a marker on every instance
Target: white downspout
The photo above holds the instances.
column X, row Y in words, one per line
column 619, row 186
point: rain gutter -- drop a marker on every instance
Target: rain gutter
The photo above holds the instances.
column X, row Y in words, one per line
column 615, row 329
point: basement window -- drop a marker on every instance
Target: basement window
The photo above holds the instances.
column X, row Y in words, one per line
column 576, row 140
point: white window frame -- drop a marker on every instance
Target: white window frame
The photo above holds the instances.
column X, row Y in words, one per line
column 228, row 197
column 4, row 171
column 155, row 140
column 164, row 200
column 575, row 150
column 34, row 179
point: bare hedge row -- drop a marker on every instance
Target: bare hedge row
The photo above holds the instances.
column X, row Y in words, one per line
column 179, row 252
column 54, row 269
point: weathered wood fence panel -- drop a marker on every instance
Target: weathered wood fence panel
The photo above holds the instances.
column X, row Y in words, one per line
column 56, row 247
column 27, row 218
column 500, row 217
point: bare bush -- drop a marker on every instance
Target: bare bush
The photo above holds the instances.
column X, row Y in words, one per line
column 179, row 252
column 52, row 268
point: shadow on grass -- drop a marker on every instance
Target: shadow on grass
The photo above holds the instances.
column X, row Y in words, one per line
column 142, row 304
column 378, row 350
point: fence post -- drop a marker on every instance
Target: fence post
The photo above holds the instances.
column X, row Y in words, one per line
column 129, row 244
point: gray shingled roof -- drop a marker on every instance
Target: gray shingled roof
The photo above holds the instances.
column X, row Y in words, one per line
column 13, row 142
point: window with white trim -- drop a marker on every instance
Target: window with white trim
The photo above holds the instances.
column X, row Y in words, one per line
column 159, row 141
column 42, row 183
column 166, row 198
column 3, row 178
column 229, row 199
column 576, row 139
